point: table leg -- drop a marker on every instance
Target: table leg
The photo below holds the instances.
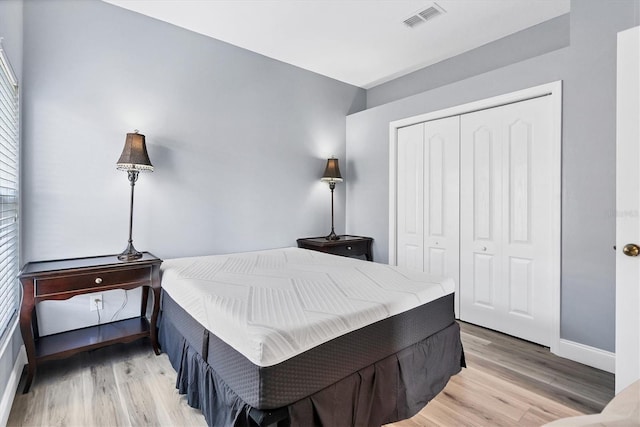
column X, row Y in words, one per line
column 143, row 305
column 26, row 313
column 156, row 288
column 154, row 318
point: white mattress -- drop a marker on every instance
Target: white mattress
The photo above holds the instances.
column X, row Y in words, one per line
column 275, row 304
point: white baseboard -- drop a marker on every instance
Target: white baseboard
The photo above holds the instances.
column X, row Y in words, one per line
column 587, row 355
column 12, row 385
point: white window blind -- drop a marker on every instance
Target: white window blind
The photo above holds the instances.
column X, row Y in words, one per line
column 9, row 123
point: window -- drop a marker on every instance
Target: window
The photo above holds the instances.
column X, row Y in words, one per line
column 9, row 124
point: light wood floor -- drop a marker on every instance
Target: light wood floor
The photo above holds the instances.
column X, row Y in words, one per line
column 508, row 382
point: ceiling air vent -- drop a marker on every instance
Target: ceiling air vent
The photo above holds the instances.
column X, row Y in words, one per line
column 413, row 20
column 424, row 15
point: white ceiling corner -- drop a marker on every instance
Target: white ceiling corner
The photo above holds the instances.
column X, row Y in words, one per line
column 361, row 42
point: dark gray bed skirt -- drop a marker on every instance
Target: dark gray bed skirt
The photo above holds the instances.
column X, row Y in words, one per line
column 391, row 389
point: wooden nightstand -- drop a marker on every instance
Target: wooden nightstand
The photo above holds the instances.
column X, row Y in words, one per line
column 63, row 279
column 349, row 246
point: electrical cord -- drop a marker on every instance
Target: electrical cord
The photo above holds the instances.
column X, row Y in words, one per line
column 124, row 303
column 96, row 301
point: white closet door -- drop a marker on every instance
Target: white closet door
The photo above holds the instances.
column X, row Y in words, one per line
column 441, row 197
column 428, row 202
column 506, row 198
column 410, row 234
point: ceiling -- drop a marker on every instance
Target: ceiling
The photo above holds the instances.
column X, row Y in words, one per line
column 361, row 42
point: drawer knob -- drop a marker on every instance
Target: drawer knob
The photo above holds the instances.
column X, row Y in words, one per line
column 348, row 248
column 98, row 280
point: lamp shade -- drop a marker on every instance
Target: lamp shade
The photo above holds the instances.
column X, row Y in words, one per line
column 332, row 171
column 134, row 156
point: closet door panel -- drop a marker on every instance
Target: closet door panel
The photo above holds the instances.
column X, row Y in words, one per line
column 528, row 244
column 483, row 158
column 519, row 164
column 480, row 217
column 410, row 250
column 435, row 159
column 520, row 286
column 483, row 280
column 508, row 219
column 437, row 261
column 441, row 196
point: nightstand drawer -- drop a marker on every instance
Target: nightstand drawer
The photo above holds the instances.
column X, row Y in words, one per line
column 351, row 249
column 96, row 280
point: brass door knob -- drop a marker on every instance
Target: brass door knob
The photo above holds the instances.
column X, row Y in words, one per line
column 631, row 249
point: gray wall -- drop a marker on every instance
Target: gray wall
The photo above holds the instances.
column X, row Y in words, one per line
column 587, row 68
column 239, row 142
column 528, row 43
column 589, row 171
column 11, row 32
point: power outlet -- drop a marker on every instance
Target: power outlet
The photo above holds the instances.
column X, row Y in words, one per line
column 95, row 302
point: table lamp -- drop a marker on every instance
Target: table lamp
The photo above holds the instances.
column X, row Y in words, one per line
column 134, row 159
column 332, row 175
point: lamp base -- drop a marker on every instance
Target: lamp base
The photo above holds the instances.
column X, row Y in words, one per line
column 130, row 254
column 332, row 236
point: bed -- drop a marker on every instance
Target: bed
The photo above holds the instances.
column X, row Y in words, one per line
column 297, row 337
